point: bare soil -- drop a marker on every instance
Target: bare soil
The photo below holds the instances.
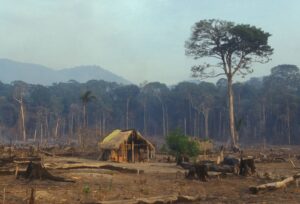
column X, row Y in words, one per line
column 157, row 180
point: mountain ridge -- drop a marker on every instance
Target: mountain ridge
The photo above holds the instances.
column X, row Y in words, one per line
column 12, row 70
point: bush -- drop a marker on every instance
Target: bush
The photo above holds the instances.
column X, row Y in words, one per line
column 181, row 145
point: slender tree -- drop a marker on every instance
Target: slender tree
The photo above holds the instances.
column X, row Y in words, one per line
column 85, row 98
column 235, row 48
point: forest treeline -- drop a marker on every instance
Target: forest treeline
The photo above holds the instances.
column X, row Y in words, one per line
column 267, row 109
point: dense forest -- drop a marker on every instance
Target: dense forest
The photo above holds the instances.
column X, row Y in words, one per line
column 267, row 109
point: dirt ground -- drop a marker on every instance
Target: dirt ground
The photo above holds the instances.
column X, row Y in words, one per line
column 157, row 179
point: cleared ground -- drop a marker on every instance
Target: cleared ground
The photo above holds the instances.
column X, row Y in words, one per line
column 158, row 179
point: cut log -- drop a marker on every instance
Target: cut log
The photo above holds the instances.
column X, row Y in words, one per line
column 210, row 167
column 274, row 185
column 186, row 165
column 232, row 161
column 223, row 168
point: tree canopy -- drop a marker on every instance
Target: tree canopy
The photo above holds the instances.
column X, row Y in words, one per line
column 234, row 46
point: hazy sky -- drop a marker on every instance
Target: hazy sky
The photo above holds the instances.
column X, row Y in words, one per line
column 137, row 39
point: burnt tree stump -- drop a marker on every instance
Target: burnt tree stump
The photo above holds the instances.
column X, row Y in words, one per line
column 35, row 170
column 199, row 171
column 191, row 174
column 202, row 172
column 247, row 167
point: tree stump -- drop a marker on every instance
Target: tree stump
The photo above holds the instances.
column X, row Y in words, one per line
column 199, row 171
column 35, row 170
column 247, row 167
column 191, row 174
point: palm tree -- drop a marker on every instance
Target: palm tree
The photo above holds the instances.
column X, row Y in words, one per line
column 85, row 98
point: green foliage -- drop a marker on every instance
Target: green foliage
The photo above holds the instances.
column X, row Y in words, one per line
column 265, row 104
column 180, row 144
column 86, row 189
column 235, row 47
column 86, row 97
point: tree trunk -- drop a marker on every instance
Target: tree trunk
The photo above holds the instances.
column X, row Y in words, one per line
column 190, row 117
column 127, row 112
column 23, row 121
column 84, row 115
column 231, row 113
column 46, row 127
column 184, row 123
column 41, row 134
column 288, row 124
column 56, row 127
column 34, row 135
column 103, row 124
column 167, row 121
column 263, row 128
column 163, row 119
column 71, row 126
column 220, row 124
column 145, row 124
column 206, row 115
column 20, row 101
column 195, row 124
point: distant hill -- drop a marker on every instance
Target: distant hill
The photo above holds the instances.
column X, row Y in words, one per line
column 38, row 74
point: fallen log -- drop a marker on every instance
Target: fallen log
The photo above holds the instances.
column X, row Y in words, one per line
column 95, row 166
column 6, row 171
column 186, row 165
column 232, row 161
column 121, row 169
column 27, row 159
column 274, row 185
column 153, row 200
column 210, row 167
column 6, row 159
column 223, row 168
column 47, row 153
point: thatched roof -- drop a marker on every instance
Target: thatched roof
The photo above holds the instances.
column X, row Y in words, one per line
column 117, row 137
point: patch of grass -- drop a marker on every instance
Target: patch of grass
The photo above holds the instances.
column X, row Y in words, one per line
column 86, row 189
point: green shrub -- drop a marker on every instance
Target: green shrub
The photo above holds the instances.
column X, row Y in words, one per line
column 179, row 144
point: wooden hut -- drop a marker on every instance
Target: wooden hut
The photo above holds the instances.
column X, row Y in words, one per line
column 126, row 146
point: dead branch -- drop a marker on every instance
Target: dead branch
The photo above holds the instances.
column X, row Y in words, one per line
column 274, row 185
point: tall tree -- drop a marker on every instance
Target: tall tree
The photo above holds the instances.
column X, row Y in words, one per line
column 235, row 48
column 19, row 92
column 127, row 94
column 85, row 98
